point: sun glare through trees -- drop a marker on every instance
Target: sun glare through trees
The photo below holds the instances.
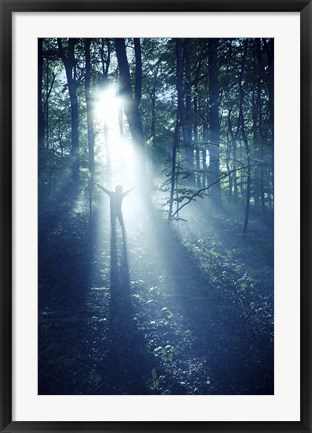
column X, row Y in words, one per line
column 156, row 210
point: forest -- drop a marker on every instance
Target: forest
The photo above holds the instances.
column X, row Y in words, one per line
column 155, row 216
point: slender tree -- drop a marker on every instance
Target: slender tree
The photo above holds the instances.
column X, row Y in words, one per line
column 214, row 148
column 244, row 135
column 68, row 58
column 89, row 105
column 187, row 126
column 179, row 86
column 130, row 104
column 40, row 105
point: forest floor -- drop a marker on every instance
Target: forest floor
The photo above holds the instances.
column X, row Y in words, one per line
column 159, row 309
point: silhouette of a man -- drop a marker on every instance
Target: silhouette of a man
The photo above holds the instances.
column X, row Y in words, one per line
column 116, row 198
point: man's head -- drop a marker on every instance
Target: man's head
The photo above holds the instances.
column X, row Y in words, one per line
column 118, row 189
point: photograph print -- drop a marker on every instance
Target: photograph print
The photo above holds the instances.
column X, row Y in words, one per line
column 155, row 216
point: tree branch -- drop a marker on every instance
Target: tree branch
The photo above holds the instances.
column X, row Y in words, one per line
column 197, row 193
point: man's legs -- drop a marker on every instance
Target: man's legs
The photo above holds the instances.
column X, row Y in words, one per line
column 113, row 222
column 120, row 219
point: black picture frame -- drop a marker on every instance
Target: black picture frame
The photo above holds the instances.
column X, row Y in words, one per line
column 8, row 7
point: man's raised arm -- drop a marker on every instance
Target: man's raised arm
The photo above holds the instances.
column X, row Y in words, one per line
column 103, row 189
column 127, row 192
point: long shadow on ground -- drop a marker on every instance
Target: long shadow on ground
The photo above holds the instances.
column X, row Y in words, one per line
column 127, row 365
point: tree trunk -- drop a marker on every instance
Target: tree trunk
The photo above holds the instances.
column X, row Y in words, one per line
column 89, row 104
column 261, row 74
column 228, row 166
column 129, row 104
column 173, row 169
column 189, row 157
column 269, row 46
column 40, row 106
column 138, row 71
column 153, row 115
column 245, row 138
column 90, row 125
column 234, row 154
column 179, row 86
column 205, row 147
column 197, row 155
column 105, row 67
column 105, row 62
column 69, row 63
column 214, row 150
column 46, row 109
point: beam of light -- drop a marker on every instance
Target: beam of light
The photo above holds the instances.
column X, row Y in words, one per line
column 117, row 153
column 107, row 107
column 106, row 113
column 148, row 237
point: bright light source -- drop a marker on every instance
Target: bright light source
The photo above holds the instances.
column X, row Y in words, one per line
column 117, row 149
column 107, row 108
